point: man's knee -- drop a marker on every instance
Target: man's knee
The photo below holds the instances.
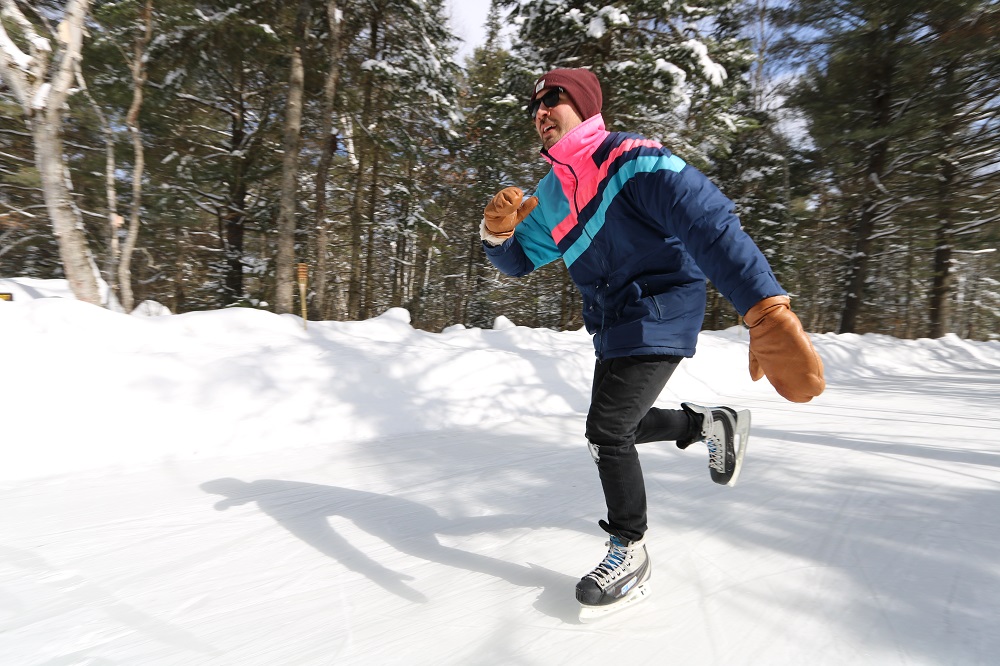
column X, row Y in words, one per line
column 606, row 433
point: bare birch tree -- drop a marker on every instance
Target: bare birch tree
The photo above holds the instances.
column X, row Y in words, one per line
column 42, row 81
column 138, row 67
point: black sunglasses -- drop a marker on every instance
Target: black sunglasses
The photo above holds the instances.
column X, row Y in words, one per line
column 550, row 99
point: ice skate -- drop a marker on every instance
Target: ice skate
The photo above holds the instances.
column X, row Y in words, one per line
column 725, row 431
column 621, row 579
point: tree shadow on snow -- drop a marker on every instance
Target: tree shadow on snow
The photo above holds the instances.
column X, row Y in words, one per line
column 304, row 509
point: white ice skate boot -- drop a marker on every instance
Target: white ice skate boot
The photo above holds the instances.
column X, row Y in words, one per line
column 725, row 431
column 620, row 579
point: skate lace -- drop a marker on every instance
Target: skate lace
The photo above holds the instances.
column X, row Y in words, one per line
column 716, row 455
column 613, row 563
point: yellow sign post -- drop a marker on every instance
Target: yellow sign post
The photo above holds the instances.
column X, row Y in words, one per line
column 303, row 278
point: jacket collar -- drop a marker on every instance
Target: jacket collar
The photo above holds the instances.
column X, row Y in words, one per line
column 579, row 143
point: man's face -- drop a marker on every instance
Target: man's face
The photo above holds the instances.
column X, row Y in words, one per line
column 552, row 123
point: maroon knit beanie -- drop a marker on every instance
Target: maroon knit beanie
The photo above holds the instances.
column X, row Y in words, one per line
column 581, row 86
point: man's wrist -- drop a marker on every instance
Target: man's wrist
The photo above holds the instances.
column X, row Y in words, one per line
column 489, row 237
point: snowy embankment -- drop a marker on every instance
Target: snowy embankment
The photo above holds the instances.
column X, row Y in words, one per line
column 233, row 488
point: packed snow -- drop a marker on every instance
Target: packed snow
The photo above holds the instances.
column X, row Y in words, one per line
column 238, row 487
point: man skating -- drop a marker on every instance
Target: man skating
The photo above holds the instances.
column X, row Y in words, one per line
column 639, row 230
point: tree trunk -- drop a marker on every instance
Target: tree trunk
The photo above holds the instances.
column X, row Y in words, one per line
column 368, row 307
column 941, row 284
column 363, row 144
column 67, row 222
column 232, row 221
column 110, row 193
column 398, row 272
column 179, row 280
column 285, row 262
column 232, row 218
column 857, row 272
column 354, row 287
column 947, row 176
column 328, row 143
column 474, row 273
column 881, row 106
column 421, row 271
column 132, row 122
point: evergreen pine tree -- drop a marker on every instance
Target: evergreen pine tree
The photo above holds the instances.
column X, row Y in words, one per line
column 890, row 134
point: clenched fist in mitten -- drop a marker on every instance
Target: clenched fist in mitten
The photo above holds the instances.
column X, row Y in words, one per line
column 780, row 349
column 505, row 211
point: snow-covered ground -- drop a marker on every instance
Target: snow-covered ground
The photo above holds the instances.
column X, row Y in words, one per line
column 231, row 488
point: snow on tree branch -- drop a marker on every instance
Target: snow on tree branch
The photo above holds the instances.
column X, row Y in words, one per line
column 26, row 73
column 713, row 72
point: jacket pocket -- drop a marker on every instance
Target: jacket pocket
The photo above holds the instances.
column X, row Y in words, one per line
column 650, row 300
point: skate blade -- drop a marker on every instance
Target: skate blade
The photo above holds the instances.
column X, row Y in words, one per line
column 740, row 439
column 592, row 613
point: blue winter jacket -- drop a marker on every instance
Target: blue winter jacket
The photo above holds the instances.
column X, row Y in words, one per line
column 639, row 231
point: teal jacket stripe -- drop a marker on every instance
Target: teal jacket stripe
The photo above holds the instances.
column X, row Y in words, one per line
column 535, row 232
column 644, row 164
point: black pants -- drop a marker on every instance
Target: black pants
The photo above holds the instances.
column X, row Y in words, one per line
column 621, row 416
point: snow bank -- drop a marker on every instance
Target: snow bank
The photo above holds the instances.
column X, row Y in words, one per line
column 84, row 387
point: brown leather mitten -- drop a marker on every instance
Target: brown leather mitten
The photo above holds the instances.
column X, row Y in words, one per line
column 780, row 349
column 504, row 212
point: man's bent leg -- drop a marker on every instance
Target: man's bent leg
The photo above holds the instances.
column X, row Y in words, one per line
column 667, row 425
column 624, row 391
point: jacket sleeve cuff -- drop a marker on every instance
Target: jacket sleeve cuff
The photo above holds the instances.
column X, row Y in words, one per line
column 753, row 290
column 488, row 237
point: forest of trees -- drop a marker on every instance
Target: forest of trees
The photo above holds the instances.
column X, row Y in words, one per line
column 193, row 152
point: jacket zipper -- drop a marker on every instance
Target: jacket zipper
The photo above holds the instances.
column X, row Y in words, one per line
column 597, row 294
column 576, row 179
